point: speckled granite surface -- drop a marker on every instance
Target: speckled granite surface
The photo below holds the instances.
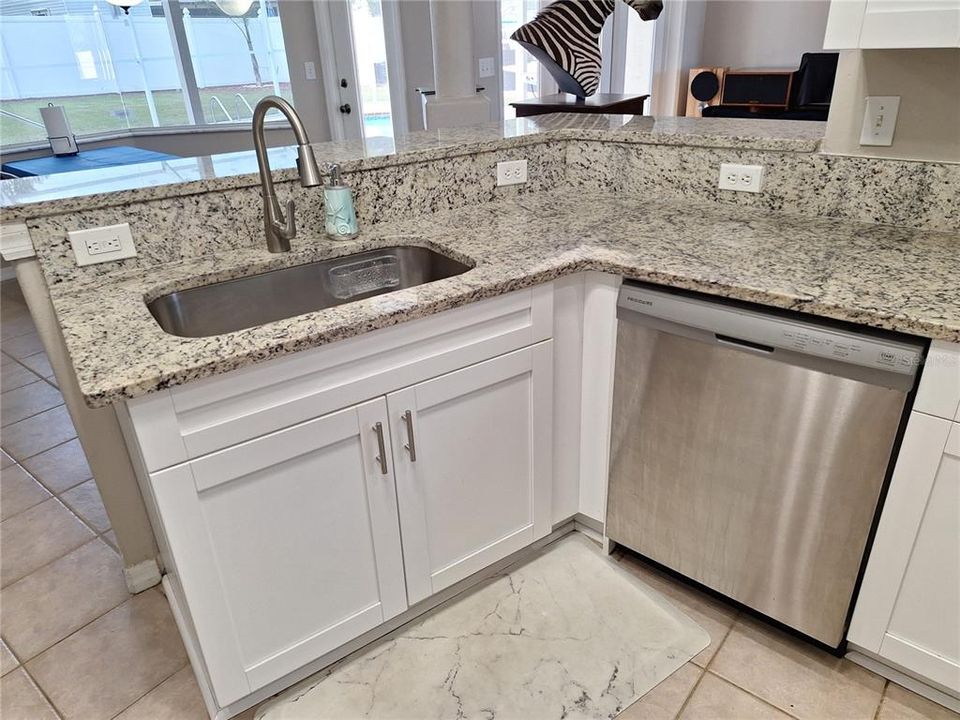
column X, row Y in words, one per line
column 889, row 192
column 885, row 277
column 89, row 189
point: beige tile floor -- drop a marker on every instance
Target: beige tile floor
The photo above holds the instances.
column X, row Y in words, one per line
column 76, row 646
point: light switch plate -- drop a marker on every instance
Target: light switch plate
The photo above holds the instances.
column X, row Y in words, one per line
column 742, row 178
column 310, row 70
column 511, row 172
column 102, row 244
column 487, row 68
column 879, row 120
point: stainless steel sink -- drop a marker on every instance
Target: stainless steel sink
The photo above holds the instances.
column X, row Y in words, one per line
column 258, row 299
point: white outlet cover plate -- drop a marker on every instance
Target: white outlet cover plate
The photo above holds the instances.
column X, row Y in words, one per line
column 879, row 120
column 741, row 178
column 83, row 240
column 511, row 172
column 487, row 67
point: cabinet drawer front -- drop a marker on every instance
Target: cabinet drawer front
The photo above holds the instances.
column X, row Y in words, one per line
column 192, row 420
column 286, row 546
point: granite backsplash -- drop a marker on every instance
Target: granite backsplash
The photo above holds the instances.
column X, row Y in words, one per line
column 176, row 228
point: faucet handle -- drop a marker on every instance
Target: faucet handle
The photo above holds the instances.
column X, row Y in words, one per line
column 288, row 228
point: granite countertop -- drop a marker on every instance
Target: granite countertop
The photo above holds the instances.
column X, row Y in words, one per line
column 77, row 191
column 881, row 276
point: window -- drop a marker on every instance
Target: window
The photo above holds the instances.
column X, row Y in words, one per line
column 637, row 57
column 115, row 71
column 521, row 71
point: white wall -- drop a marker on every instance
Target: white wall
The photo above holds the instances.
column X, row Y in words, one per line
column 928, row 124
column 417, row 55
column 302, row 45
column 761, row 33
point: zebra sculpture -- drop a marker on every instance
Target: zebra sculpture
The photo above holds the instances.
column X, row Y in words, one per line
column 564, row 37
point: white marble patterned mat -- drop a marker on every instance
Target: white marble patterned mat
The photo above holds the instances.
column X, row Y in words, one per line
column 567, row 634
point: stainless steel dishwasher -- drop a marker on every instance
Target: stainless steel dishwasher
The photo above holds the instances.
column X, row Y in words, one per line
column 749, row 451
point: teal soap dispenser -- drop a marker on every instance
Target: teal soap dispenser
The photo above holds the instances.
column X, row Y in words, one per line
column 339, row 213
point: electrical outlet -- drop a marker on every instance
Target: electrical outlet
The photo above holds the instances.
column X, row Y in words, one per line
column 511, row 172
column 742, row 178
column 487, row 68
column 103, row 244
column 879, row 120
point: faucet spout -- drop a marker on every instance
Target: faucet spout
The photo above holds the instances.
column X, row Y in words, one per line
column 280, row 229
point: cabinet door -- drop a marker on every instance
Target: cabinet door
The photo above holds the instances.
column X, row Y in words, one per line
column 287, row 546
column 910, row 24
column 472, row 453
column 924, row 631
column 908, row 608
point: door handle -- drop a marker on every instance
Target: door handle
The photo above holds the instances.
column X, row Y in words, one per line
column 411, row 446
column 345, row 108
column 382, row 457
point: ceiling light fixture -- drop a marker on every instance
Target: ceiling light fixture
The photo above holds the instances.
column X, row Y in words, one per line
column 234, row 8
column 125, row 4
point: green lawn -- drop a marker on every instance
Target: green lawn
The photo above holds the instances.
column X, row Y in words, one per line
column 100, row 113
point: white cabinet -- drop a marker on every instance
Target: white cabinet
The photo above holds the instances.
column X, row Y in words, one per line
column 908, row 610
column 877, row 24
column 280, row 515
column 285, row 546
column 924, row 629
column 472, row 451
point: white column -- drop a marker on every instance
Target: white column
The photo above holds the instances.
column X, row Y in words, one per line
column 457, row 102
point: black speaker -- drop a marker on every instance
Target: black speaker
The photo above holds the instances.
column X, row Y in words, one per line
column 770, row 88
column 703, row 89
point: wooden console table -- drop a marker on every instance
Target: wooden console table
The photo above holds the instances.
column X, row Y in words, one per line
column 595, row 104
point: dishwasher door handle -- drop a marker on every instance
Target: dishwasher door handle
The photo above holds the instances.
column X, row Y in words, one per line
column 743, row 344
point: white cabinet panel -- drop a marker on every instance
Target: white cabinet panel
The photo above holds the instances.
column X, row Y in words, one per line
column 939, row 390
column 189, row 421
column 924, row 631
column 910, row 24
column 878, row 24
column 476, row 485
column 908, row 609
column 286, row 546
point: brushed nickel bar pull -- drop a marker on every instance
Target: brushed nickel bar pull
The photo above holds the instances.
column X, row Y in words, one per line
column 411, row 445
column 382, row 457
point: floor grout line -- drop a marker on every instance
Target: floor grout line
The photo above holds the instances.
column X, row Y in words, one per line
column 56, row 494
column 39, row 412
column 141, row 697
column 753, row 694
column 30, row 457
column 41, row 690
column 703, row 670
column 717, row 675
column 883, row 694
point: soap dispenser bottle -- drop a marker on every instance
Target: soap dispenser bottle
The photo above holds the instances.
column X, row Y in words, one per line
column 339, row 213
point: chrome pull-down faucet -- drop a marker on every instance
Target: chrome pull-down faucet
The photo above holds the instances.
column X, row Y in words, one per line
column 280, row 229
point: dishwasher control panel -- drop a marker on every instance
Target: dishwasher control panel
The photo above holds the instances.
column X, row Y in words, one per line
column 848, row 348
column 759, row 330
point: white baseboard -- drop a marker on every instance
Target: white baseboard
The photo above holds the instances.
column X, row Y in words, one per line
column 142, row 576
column 864, row 659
